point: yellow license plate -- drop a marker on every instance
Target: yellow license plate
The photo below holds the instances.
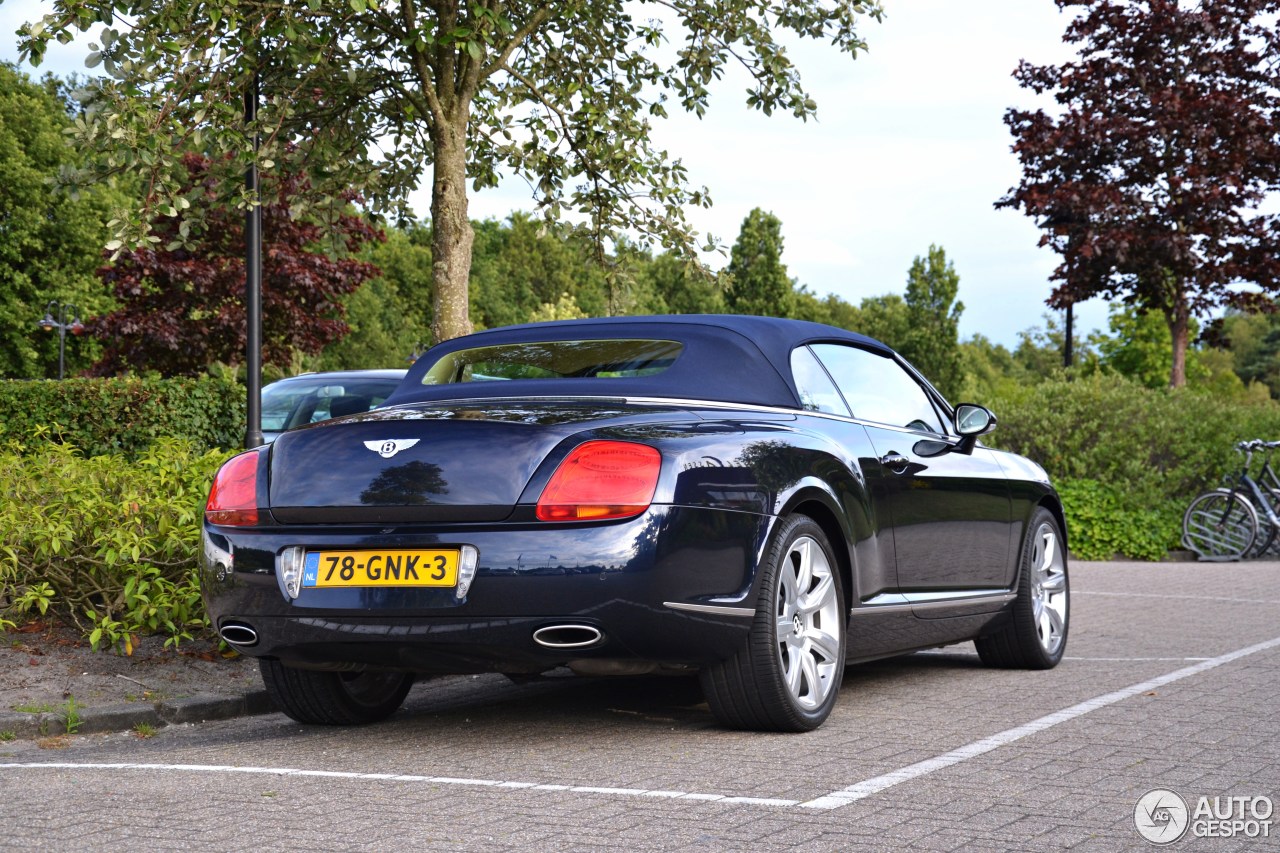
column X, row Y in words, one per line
column 381, row 568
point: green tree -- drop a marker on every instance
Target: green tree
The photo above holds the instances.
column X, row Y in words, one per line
column 374, row 93
column 759, row 281
column 564, row 308
column 524, row 263
column 886, row 319
column 1253, row 342
column 830, row 309
column 1221, row 379
column 990, row 371
column 806, row 305
column 1138, row 347
column 678, row 286
column 390, row 316
column 50, row 242
column 932, row 341
column 1039, row 351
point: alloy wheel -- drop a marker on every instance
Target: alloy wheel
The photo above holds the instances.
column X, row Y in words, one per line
column 808, row 624
column 1048, row 588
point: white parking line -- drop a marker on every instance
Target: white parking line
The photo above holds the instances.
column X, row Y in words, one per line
column 397, row 777
column 875, row 785
column 1134, row 660
column 834, row 800
column 953, row 652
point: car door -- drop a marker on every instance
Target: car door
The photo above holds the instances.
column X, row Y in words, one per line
column 950, row 509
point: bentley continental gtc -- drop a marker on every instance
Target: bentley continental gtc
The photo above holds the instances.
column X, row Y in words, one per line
column 754, row 500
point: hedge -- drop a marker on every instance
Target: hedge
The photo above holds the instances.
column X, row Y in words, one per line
column 1128, row 459
column 123, row 416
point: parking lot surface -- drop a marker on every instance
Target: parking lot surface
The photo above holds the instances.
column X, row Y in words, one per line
column 1170, row 683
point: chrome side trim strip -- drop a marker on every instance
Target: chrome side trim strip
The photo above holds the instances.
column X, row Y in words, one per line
column 1003, row 598
column 717, row 609
column 877, row 609
column 896, row 602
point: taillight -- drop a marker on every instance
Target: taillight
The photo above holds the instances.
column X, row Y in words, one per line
column 233, row 500
column 601, row 479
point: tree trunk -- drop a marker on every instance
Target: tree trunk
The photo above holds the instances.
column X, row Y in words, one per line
column 451, row 234
column 1179, row 320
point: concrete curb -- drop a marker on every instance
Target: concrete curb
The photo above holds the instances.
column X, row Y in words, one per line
column 118, row 718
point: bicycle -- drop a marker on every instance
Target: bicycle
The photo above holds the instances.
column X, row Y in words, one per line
column 1269, row 483
column 1224, row 524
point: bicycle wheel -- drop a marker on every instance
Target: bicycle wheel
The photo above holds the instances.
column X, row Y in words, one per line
column 1265, row 540
column 1220, row 525
column 1272, row 548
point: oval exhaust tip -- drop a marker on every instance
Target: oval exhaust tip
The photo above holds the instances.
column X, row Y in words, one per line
column 568, row 636
column 238, row 634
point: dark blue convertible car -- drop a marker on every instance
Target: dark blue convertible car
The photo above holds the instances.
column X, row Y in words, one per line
column 759, row 501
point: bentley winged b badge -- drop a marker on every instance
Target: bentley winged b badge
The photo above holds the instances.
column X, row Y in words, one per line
column 390, row 447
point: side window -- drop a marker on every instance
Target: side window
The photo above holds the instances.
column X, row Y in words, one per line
column 817, row 393
column 878, row 389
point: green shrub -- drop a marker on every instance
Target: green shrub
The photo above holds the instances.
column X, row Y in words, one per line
column 1101, row 524
column 111, row 543
column 1126, row 458
column 123, row 416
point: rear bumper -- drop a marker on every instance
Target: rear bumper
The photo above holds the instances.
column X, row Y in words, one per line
column 618, row 578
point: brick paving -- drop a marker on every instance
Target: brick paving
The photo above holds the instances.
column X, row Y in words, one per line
column 1069, row 787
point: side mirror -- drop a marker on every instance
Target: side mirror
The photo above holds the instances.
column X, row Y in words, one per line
column 972, row 421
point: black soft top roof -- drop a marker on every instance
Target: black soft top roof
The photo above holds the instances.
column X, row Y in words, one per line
column 727, row 358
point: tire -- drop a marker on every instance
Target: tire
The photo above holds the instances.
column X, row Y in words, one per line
column 1273, row 547
column 1220, row 525
column 1036, row 636
column 787, row 676
column 334, row 698
column 1265, row 539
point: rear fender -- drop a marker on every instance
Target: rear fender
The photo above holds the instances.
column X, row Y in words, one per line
column 840, row 507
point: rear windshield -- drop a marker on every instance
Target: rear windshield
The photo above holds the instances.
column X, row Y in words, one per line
column 606, row 359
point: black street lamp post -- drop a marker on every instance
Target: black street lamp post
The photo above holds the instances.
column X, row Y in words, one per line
column 253, row 283
column 1066, row 224
column 68, row 319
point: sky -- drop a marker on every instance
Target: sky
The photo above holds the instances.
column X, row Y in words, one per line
column 909, row 150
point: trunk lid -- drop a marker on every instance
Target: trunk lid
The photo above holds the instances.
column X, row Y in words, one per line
column 459, row 462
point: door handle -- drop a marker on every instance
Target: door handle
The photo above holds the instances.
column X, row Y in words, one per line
column 895, row 462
